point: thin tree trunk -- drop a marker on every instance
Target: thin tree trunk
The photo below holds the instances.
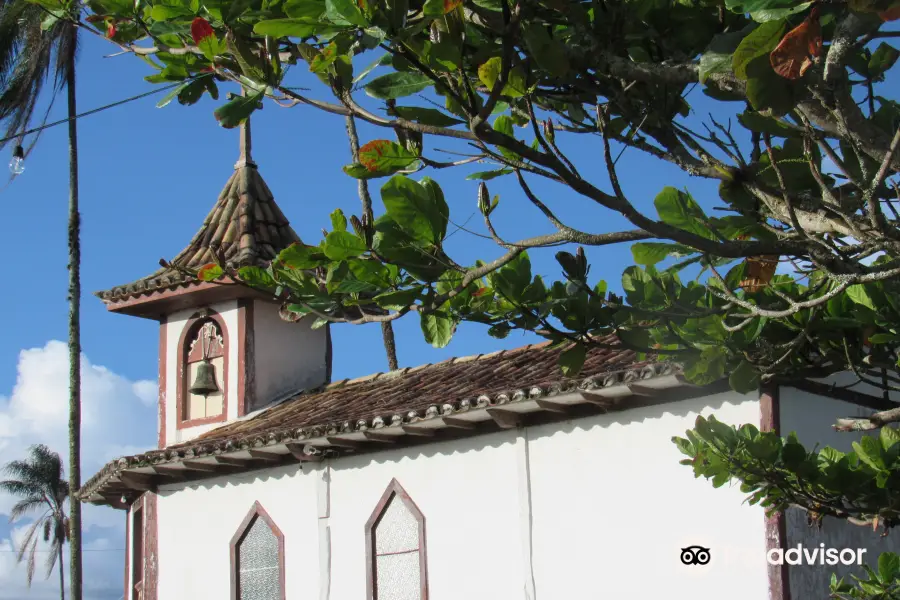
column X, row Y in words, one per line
column 387, row 328
column 62, row 576
column 74, row 334
column 390, row 347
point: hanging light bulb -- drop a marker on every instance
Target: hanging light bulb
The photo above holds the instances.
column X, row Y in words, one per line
column 17, row 164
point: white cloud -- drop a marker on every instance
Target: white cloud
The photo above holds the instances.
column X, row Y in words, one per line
column 119, row 418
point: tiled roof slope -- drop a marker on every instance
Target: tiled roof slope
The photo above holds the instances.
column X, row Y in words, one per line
column 413, row 390
column 414, row 396
column 246, row 227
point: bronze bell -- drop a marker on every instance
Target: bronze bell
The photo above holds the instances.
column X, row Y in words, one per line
column 205, row 382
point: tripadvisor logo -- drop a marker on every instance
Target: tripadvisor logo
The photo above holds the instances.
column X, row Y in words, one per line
column 815, row 556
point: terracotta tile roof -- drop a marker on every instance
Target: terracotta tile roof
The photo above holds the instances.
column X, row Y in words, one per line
column 246, row 227
column 409, row 396
column 415, row 389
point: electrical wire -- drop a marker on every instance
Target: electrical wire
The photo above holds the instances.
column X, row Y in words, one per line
column 90, row 112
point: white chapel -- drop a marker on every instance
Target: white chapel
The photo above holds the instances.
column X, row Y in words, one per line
column 487, row 477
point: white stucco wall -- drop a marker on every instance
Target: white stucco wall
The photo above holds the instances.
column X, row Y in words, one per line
column 290, row 357
column 612, row 508
column 812, row 417
column 175, row 325
column 602, row 502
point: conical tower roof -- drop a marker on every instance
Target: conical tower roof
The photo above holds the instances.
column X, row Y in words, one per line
column 245, row 228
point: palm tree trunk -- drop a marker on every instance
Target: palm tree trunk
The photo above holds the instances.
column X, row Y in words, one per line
column 387, row 329
column 62, row 575
column 74, row 335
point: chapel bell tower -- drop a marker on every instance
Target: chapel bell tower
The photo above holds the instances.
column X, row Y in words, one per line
column 224, row 351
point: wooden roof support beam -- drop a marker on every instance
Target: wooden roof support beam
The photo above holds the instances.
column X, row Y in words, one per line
column 242, row 463
column 418, row 431
column 266, row 456
column 218, row 469
column 114, row 500
column 506, row 419
column 598, row 400
column 139, row 481
column 556, row 407
column 345, row 443
column 642, row 390
column 384, row 438
column 297, row 452
column 172, row 473
column 457, row 423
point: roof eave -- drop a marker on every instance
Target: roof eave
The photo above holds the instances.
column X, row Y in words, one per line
column 191, row 294
column 607, row 392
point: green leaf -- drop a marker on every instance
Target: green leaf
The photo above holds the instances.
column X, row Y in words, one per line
column 299, row 28
column 744, row 378
column 296, row 256
column 380, row 62
column 717, row 58
column 358, row 171
column 883, row 59
column 759, row 42
column 385, row 156
column 167, row 99
column 860, row 295
column 572, row 360
column 762, row 124
column 438, row 328
column 650, row 253
column 399, row 299
column 162, row 12
column 413, row 209
column 233, row 113
column 338, row 220
column 426, row 116
column 341, row 245
column 549, row 53
column 488, row 175
column 256, row 277
column 211, row 46
column 774, row 14
column 888, row 567
column 489, row 72
column 343, row 12
column 397, row 85
column 768, row 91
column 679, row 209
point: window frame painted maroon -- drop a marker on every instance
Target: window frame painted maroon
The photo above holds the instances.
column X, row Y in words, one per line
column 256, row 512
column 394, row 489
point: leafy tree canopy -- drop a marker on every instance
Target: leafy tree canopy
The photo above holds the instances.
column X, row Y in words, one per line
column 804, row 172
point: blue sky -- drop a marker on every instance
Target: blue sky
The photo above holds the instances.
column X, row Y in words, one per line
column 149, row 176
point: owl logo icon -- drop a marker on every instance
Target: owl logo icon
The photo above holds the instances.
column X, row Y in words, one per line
column 695, row 555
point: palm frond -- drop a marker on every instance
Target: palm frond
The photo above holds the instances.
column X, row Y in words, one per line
column 52, row 557
column 25, row 506
column 29, row 58
column 15, row 487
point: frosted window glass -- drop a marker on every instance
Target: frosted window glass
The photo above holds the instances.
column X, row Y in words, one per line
column 398, row 576
column 258, row 560
column 398, row 529
column 397, row 572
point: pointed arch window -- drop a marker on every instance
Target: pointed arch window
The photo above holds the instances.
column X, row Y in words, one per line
column 257, row 558
column 395, row 548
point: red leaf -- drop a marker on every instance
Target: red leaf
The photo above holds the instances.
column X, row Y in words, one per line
column 449, row 5
column 891, row 14
column 209, row 272
column 201, row 29
column 111, row 29
column 375, row 147
column 793, row 56
column 479, row 292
